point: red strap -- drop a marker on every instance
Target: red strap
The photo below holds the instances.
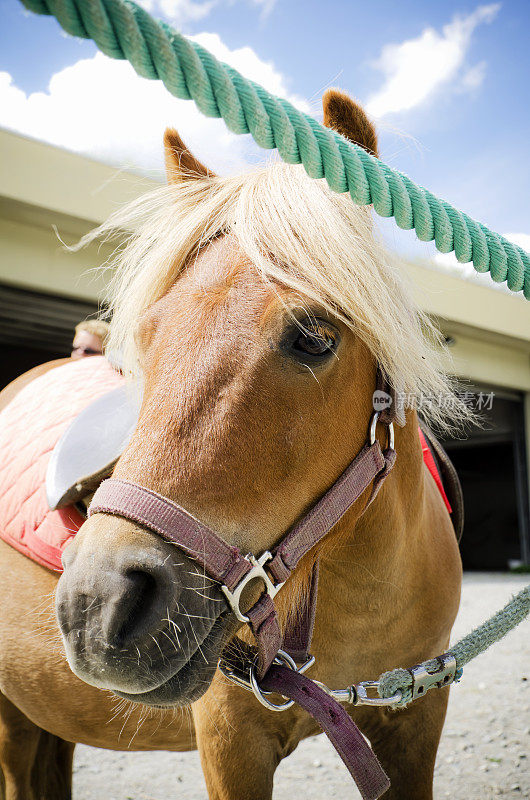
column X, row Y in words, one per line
column 428, row 459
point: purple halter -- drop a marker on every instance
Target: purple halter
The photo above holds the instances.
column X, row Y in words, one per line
column 233, row 570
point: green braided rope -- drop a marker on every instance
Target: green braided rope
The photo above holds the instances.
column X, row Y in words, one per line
column 466, row 649
column 123, row 30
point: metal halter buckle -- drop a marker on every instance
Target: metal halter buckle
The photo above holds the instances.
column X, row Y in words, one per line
column 257, row 571
column 373, row 426
column 250, row 682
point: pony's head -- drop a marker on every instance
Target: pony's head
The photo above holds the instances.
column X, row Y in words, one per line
column 254, row 309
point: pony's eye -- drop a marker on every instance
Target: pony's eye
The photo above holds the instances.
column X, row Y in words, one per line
column 314, row 344
column 314, row 341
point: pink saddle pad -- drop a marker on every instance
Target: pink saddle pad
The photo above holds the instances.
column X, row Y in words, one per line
column 30, row 427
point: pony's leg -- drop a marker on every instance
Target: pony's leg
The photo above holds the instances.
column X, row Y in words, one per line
column 406, row 743
column 51, row 776
column 35, row 765
column 19, row 742
column 241, row 744
column 238, row 756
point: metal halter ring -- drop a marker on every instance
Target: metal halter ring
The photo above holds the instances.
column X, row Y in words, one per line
column 373, row 426
column 287, row 661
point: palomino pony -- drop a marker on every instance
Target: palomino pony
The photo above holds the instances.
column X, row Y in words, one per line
column 256, row 309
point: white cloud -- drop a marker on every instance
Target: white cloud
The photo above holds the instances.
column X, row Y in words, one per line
column 181, row 11
column 415, row 69
column 448, row 263
column 100, row 107
column 522, row 239
column 474, row 77
column 250, row 65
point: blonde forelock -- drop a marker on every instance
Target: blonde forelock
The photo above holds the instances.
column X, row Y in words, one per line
column 295, row 231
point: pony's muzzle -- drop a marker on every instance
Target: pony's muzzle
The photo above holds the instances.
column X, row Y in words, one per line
column 109, row 613
column 118, row 609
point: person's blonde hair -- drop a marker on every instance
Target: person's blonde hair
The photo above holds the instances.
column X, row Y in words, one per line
column 294, row 230
column 96, row 327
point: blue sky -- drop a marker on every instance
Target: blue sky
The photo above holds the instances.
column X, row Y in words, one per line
column 447, row 83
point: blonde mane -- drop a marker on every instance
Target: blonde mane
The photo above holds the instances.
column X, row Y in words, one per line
column 296, row 231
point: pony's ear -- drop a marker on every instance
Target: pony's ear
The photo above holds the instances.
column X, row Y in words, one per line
column 180, row 163
column 347, row 117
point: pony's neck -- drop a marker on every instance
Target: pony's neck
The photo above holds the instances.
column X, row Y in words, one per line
column 365, row 581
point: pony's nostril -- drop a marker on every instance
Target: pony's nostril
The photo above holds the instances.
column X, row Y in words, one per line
column 138, row 597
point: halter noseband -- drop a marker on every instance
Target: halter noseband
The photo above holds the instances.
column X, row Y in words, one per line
column 226, row 564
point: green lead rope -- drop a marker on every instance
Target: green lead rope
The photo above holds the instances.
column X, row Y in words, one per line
column 123, row 30
column 468, row 648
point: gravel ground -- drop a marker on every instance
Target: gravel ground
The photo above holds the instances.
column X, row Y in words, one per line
column 484, row 753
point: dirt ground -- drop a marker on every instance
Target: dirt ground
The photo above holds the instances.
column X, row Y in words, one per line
column 484, row 753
